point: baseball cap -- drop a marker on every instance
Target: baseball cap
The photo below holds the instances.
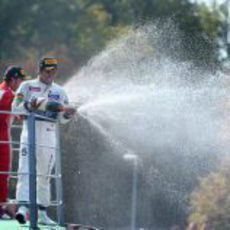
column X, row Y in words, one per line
column 15, row 72
column 48, row 63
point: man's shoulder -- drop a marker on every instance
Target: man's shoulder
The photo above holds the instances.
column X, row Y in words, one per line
column 6, row 94
column 4, row 86
column 3, row 93
column 5, row 90
column 58, row 87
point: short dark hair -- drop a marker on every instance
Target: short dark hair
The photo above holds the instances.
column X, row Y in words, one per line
column 14, row 72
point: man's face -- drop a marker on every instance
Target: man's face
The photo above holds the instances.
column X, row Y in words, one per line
column 15, row 83
column 47, row 76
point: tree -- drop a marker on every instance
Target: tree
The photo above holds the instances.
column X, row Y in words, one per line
column 77, row 30
column 210, row 202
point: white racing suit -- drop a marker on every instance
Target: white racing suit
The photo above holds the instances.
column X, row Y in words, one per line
column 45, row 138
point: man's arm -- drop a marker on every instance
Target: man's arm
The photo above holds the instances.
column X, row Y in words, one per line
column 5, row 103
column 67, row 111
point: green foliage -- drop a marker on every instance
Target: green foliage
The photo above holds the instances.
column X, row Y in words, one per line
column 210, row 21
column 77, row 29
column 95, row 29
column 211, row 201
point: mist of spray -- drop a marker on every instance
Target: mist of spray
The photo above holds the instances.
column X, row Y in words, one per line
column 143, row 96
column 148, row 100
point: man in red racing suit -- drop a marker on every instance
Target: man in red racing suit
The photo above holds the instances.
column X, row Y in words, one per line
column 12, row 78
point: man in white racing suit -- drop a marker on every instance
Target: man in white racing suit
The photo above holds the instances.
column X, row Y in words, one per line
column 48, row 99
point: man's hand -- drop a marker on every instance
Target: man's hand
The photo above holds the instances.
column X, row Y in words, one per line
column 69, row 111
column 34, row 104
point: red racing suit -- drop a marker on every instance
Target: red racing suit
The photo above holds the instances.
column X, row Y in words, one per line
column 6, row 98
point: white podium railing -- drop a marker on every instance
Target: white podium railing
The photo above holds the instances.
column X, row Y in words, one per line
column 58, row 202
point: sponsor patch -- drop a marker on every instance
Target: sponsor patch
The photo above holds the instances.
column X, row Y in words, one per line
column 19, row 98
column 34, row 89
column 53, row 96
column 49, row 129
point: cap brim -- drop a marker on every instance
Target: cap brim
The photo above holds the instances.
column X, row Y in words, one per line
column 50, row 67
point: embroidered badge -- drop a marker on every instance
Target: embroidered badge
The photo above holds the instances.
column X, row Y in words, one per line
column 34, row 89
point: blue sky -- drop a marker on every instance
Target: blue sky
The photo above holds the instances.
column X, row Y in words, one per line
column 210, row 1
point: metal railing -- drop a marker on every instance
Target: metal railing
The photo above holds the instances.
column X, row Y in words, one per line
column 33, row 206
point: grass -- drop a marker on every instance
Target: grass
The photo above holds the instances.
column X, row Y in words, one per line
column 14, row 225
